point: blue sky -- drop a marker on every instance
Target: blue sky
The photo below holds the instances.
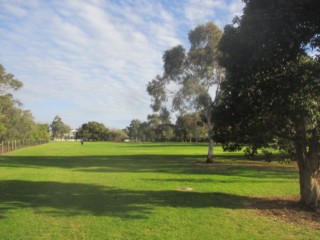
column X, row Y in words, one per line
column 90, row 60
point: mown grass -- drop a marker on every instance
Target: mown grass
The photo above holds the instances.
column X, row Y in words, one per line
column 63, row 190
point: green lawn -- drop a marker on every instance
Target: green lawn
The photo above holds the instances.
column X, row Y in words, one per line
column 63, row 190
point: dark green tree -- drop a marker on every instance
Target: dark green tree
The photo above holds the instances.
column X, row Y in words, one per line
column 117, row 135
column 134, row 130
column 93, row 131
column 191, row 127
column 272, row 87
column 151, row 130
column 15, row 123
column 58, row 128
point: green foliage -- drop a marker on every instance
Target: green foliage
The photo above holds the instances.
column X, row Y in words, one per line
column 191, row 127
column 134, row 130
column 18, row 124
column 272, row 87
column 117, row 135
column 15, row 123
column 93, row 131
column 193, row 73
column 270, row 78
column 8, row 81
column 59, row 129
column 41, row 132
column 157, row 128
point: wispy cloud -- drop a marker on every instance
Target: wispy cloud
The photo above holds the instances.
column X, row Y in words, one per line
column 221, row 11
column 90, row 60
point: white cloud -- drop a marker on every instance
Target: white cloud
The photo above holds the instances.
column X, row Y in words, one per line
column 219, row 11
column 90, row 60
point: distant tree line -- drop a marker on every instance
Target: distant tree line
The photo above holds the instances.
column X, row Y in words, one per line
column 90, row 131
column 188, row 128
column 94, row 131
column 158, row 127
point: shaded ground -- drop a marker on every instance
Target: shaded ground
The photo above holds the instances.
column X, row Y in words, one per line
column 285, row 208
column 278, row 208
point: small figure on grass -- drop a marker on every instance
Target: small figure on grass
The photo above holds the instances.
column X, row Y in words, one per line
column 81, row 141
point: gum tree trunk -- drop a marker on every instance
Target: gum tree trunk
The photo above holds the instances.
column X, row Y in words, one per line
column 210, row 146
column 210, row 152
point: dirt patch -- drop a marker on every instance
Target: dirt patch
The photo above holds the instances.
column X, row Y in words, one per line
column 218, row 164
column 248, row 163
column 285, row 208
column 185, row 189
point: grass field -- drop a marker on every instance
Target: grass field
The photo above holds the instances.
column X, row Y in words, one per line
column 63, row 190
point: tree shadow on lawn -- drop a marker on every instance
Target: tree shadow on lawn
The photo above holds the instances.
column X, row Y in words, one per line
column 73, row 199
column 176, row 164
column 164, row 145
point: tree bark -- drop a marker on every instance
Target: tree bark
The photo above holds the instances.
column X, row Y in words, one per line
column 210, row 147
column 309, row 166
column 210, row 152
column 310, row 188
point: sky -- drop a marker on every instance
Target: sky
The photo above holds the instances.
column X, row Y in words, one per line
column 91, row 60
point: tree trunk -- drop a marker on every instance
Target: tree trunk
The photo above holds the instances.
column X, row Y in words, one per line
column 210, row 147
column 307, row 156
column 210, row 152
column 310, row 188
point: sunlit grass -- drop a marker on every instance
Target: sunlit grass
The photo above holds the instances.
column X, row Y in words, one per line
column 65, row 190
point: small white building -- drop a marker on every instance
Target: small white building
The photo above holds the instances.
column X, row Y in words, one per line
column 72, row 134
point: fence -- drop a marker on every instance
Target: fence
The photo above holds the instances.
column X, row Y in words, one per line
column 9, row 146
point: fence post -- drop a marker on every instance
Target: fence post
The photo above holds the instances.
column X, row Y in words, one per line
column 17, row 144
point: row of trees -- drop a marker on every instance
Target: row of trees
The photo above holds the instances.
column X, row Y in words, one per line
column 91, row 131
column 189, row 127
column 98, row 132
column 16, row 123
column 158, row 127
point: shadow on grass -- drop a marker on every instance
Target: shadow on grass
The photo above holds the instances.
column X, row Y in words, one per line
column 215, row 181
column 164, row 145
column 176, row 164
column 71, row 199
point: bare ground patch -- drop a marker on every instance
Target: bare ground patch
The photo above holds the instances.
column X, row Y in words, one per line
column 285, row 208
column 248, row 163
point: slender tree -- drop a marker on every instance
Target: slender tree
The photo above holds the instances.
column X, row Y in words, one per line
column 134, row 130
column 193, row 73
